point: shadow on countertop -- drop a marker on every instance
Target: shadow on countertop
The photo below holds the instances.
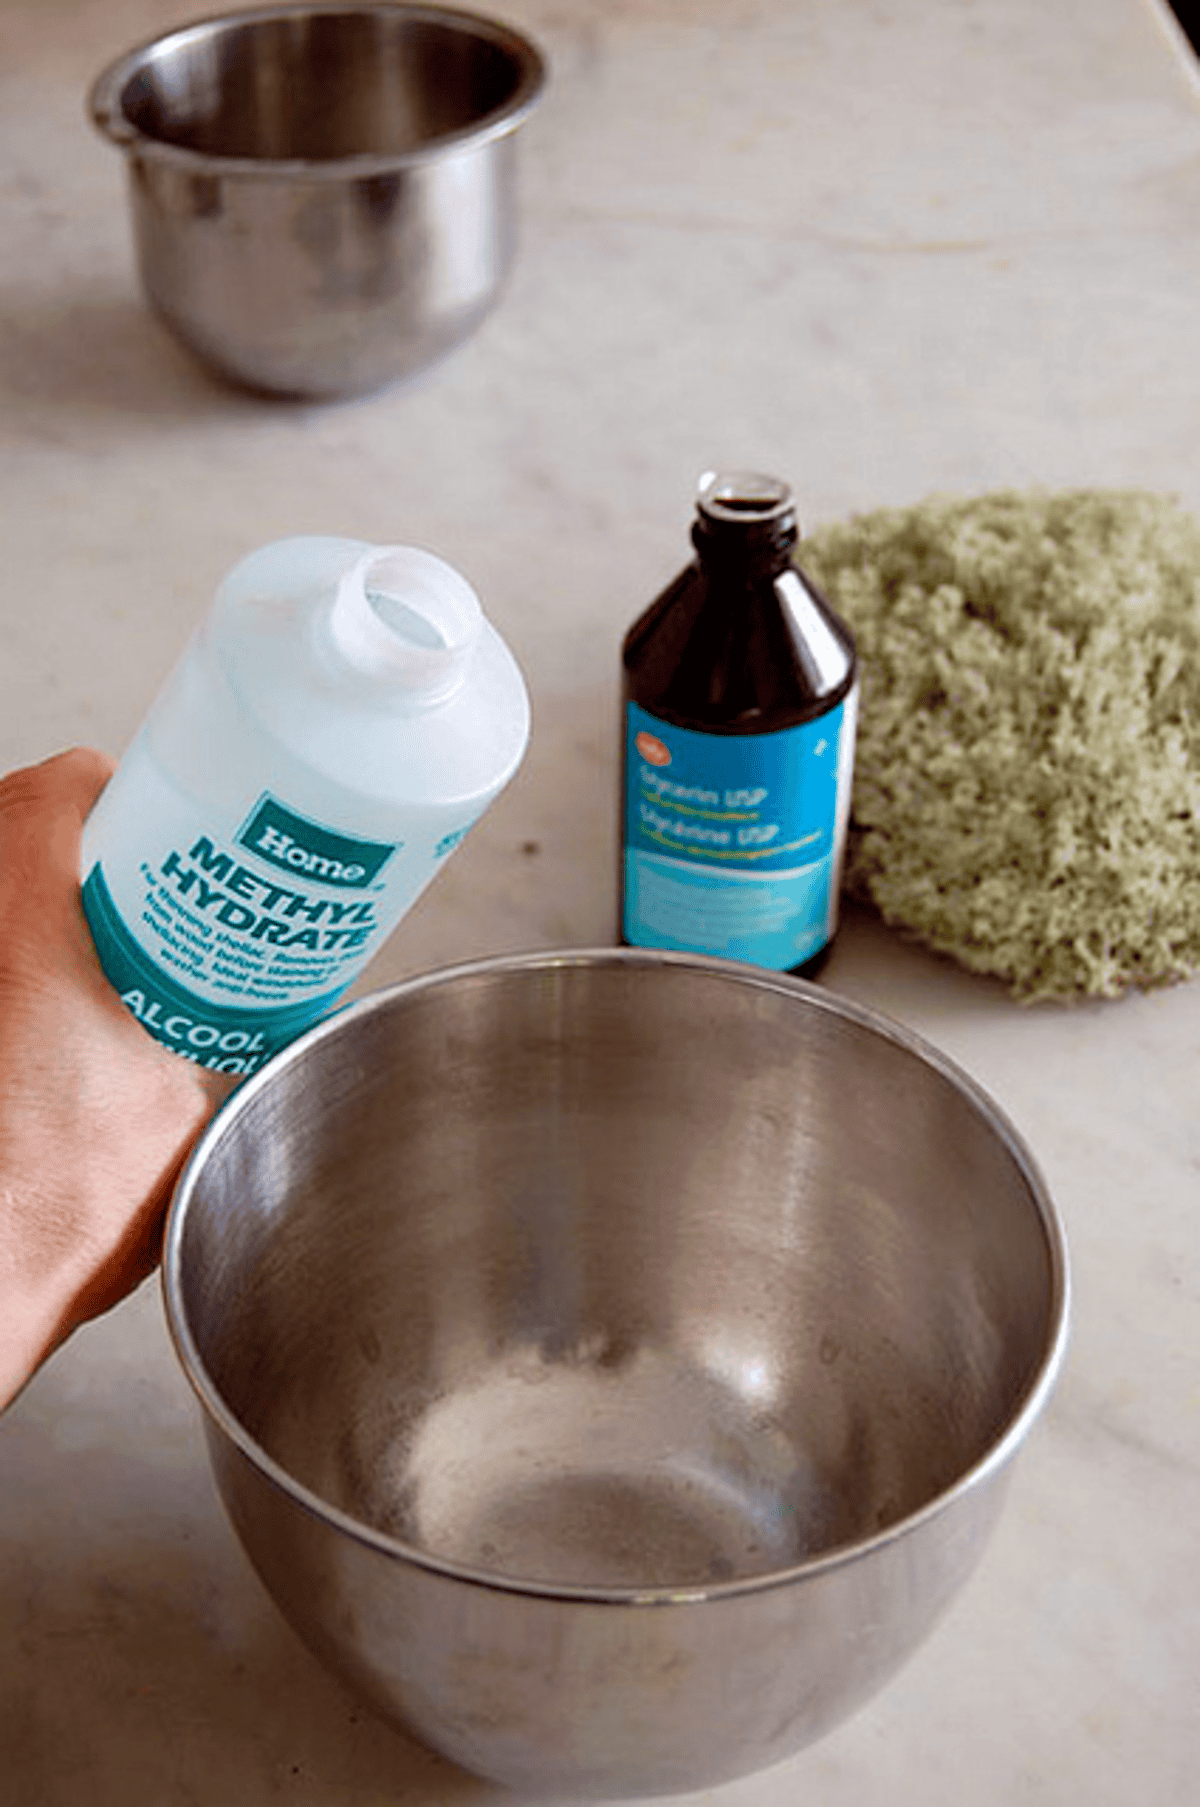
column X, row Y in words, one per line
column 142, row 1662
column 153, row 1671
column 105, row 355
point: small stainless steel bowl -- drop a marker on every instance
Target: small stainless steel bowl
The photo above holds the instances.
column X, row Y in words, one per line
column 612, row 1362
column 323, row 197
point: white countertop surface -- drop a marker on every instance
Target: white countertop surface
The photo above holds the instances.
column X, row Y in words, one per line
column 880, row 248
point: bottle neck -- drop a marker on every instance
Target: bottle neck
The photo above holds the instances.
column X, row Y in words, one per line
column 745, row 525
column 742, row 642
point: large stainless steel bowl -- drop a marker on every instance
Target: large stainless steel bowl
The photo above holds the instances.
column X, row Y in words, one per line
column 612, row 1361
column 323, row 197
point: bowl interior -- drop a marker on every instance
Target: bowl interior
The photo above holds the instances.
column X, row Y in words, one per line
column 319, row 85
column 615, row 1274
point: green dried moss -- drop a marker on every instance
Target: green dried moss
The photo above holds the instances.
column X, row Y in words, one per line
column 1027, row 789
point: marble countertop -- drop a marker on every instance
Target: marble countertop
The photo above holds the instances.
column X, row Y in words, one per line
column 881, row 249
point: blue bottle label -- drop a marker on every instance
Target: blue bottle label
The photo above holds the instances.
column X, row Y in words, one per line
column 733, row 842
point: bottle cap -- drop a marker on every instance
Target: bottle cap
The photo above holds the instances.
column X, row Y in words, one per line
column 402, row 614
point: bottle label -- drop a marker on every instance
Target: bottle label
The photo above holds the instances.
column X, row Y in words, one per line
column 296, row 845
column 733, row 842
column 226, row 948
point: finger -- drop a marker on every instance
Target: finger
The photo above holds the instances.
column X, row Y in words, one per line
column 69, row 781
column 42, row 811
column 42, row 814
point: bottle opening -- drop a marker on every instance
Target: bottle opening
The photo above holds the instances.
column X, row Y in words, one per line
column 744, row 517
column 404, row 621
column 744, row 497
column 405, row 616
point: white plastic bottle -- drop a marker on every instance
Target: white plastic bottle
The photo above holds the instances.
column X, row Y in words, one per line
column 329, row 735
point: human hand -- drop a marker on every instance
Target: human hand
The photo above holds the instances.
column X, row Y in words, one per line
column 96, row 1118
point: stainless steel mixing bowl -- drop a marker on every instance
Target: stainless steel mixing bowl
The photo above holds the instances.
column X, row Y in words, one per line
column 323, row 197
column 612, row 1361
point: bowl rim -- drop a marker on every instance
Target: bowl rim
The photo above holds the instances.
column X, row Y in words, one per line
column 1038, row 1387
column 104, row 98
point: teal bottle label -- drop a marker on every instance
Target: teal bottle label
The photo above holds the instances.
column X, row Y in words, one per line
column 226, row 950
column 294, row 844
column 733, row 842
column 227, row 1038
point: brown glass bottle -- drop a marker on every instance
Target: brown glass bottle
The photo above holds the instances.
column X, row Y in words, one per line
column 739, row 707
